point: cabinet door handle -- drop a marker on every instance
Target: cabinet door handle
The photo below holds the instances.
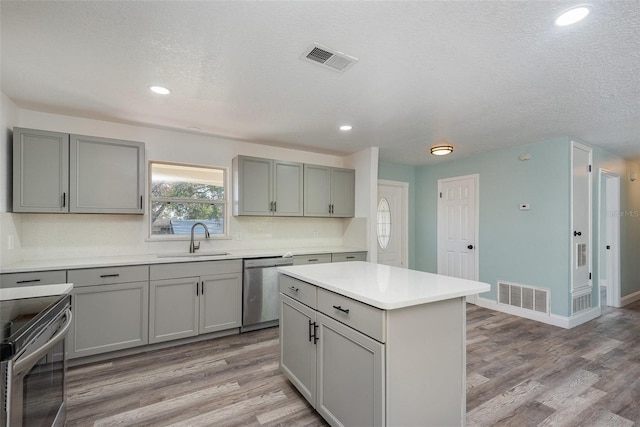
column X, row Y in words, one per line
column 315, row 333
column 140, row 202
column 275, row 206
column 311, row 330
column 28, row 281
column 64, row 200
column 197, row 288
column 109, row 275
column 329, row 207
column 339, row 308
column 294, row 289
column 202, row 288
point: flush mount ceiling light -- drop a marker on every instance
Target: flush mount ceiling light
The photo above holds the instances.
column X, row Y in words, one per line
column 441, row 150
column 572, row 16
column 345, row 128
column 159, row 90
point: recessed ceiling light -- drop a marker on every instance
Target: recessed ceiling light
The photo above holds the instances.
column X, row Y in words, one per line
column 159, row 90
column 346, row 127
column 441, row 150
column 572, row 16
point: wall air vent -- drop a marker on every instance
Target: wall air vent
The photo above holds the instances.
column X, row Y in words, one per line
column 581, row 302
column 526, row 297
column 328, row 58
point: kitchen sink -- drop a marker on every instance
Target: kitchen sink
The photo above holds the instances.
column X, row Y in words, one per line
column 193, row 255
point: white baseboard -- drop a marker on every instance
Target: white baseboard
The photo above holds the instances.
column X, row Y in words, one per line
column 630, row 298
column 552, row 319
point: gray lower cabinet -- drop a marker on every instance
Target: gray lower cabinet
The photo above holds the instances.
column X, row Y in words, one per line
column 11, row 280
column 57, row 173
column 350, row 374
column 110, row 308
column 108, row 318
column 333, row 257
column 339, row 370
column 188, row 299
column 348, row 256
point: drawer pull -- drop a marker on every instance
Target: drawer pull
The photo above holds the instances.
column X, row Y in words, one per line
column 351, row 257
column 294, row 289
column 339, row 308
column 313, row 259
column 109, row 275
column 28, row 281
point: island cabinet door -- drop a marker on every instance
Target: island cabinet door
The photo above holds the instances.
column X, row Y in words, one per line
column 297, row 346
column 350, row 372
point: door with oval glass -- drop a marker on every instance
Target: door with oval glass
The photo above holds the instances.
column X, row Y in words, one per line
column 392, row 223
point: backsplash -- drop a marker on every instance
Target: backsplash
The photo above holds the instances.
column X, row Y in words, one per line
column 52, row 236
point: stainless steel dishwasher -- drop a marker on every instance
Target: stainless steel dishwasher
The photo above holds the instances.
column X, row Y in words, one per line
column 260, row 308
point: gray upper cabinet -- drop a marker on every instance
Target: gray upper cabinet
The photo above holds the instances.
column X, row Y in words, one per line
column 57, row 173
column 267, row 187
column 40, row 171
column 106, row 175
column 329, row 191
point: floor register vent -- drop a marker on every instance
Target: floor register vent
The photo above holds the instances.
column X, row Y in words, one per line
column 328, row 58
column 526, row 297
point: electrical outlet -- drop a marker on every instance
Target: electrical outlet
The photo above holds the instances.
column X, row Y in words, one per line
column 10, row 242
column 315, row 234
column 238, row 235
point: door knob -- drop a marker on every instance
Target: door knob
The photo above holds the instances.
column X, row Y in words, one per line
column 470, row 247
column 577, row 233
column 608, row 247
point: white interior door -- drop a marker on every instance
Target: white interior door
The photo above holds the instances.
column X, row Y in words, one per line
column 581, row 217
column 458, row 227
column 392, row 223
column 609, row 241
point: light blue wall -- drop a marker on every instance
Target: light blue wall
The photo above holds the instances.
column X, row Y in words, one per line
column 527, row 247
column 407, row 174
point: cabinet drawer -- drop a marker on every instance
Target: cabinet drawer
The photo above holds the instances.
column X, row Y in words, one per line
column 311, row 259
column 108, row 275
column 298, row 290
column 11, row 280
column 349, row 256
column 361, row 317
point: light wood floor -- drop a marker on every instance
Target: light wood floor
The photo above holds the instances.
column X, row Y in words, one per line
column 520, row 373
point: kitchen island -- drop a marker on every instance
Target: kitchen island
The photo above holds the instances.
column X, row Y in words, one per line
column 369, row 344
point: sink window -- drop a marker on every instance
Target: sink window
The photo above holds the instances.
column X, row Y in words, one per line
column 182, row 195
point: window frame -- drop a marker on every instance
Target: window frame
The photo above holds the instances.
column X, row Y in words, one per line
column 179, row 237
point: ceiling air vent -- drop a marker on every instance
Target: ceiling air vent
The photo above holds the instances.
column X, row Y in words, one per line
column 337, row 61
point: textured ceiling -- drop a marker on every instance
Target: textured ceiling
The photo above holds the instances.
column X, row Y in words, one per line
column 480, row 75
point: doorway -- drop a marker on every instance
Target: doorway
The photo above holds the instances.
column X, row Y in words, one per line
column 458, row 227
column 609, row 238
column 392, row 223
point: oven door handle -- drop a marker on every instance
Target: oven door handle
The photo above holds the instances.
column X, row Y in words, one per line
column 23, row 364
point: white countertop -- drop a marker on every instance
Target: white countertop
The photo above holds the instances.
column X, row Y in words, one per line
column 35, row 291
column 383, row 286
column 110, row 261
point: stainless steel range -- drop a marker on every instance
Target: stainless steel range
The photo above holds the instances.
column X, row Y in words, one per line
column 33, row 361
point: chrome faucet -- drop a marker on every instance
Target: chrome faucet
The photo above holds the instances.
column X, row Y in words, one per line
column 192, row 245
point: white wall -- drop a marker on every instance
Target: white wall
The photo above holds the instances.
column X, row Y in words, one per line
column 49, row 236
column 10, row 224
column 365, row 163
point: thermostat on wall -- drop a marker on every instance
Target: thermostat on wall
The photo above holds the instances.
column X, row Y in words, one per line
column 524, row 206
